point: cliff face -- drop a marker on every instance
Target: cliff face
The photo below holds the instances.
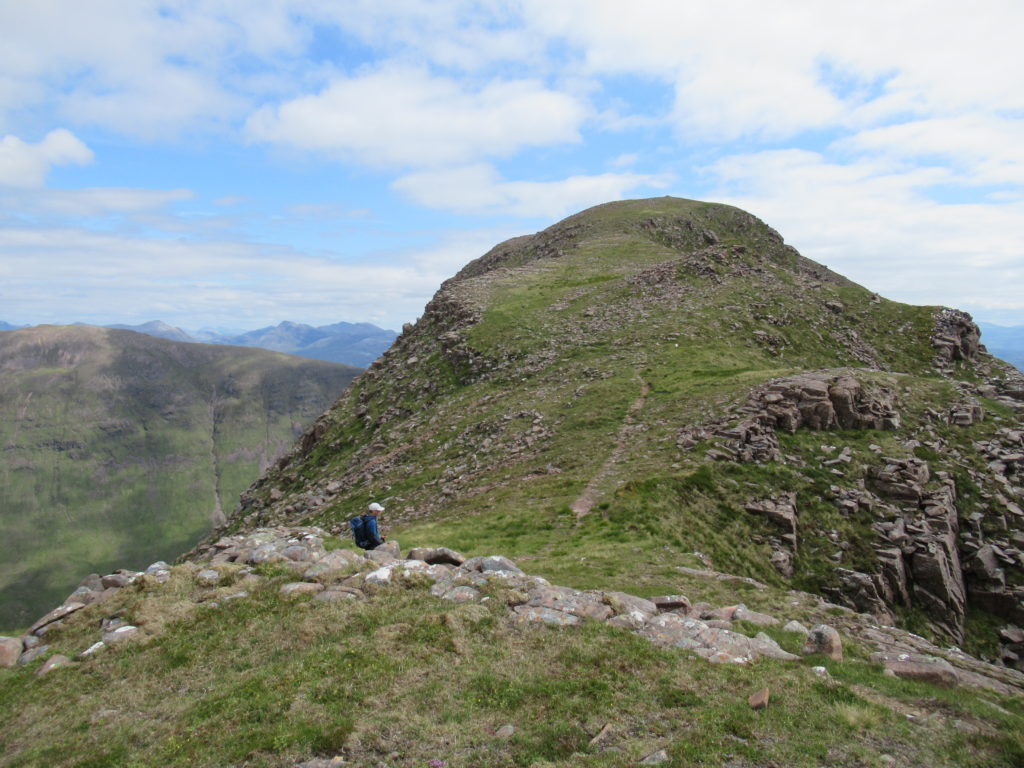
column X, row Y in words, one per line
column 668, row 373
column 120, row 448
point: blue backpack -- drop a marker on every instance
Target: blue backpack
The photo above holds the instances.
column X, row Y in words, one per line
column 358, row 526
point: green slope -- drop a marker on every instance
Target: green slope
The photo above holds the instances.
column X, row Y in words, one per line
column 120, row 449
column 562, row 372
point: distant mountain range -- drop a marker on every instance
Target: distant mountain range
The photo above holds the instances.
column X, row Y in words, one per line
column 357, row 344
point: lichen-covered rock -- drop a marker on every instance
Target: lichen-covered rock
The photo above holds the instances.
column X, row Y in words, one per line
column 524, row 614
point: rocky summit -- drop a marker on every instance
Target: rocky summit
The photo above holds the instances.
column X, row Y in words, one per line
column 672, row 494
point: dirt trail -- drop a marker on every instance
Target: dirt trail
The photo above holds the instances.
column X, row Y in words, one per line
column 586, row 501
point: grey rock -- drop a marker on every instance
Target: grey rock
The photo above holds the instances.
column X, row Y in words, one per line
column 297, row 588
column 796, row 626
column 121, row 635
column 491, row 563
column 207, row 578
column 523, row 614
column 32, row 654
column 655, row 758
column 462, row 594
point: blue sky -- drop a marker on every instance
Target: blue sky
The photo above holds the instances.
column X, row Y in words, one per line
column 232, row 164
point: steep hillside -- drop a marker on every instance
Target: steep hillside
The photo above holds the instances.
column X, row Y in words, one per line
column 669, row 374
column 120, row 448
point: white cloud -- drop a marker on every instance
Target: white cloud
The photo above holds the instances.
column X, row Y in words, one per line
column 25, row 165
column 479, row 189
column 980, row 149
column 742, row 68
column 60, row 275
column 101, row 201
column 874, row 223
column 405, row 116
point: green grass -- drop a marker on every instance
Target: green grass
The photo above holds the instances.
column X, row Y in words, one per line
column 406, row 679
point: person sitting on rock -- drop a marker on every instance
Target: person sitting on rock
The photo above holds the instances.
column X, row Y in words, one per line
column 364, row 528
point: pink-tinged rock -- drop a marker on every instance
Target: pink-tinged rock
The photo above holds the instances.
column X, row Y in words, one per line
column 55, row 615
column 10, row 651
column 916, row 666
column 296, row 588
column 116, row 580
column 824, row 640
column 59, row 660
column 625, row 603
column 722, row 614
column 742, row 613
column 671, row 602
column 634, row 621
column 758, row 700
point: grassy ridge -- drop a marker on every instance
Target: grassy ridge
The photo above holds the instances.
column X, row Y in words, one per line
column 121, row 449
column 405, row 679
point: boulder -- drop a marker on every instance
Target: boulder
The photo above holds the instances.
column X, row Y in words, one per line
column 10, row 650
column 916, row 666
column 116, row 580
column 436, row 556
column 671, row 602
column 297, row 588
column 623, row 603
column 491, row 563
column 824, row 640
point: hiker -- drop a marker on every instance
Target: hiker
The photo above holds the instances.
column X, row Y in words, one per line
column 364, row 528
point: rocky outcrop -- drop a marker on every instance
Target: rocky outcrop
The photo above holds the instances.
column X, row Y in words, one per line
column 715, row 634
column 956, row 337
column 821, row 401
